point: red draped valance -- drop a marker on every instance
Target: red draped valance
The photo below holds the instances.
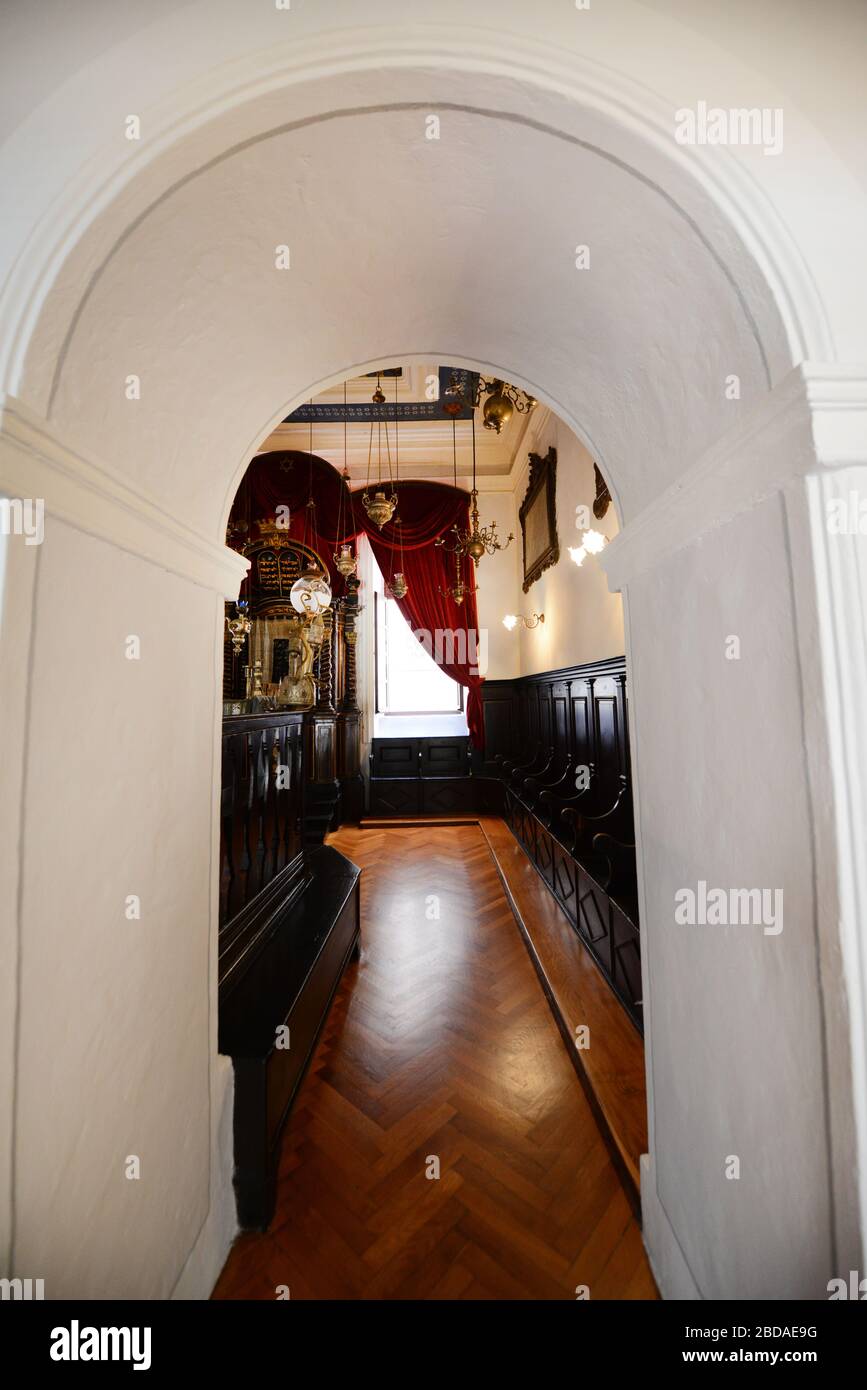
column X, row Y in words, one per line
column 427, row 511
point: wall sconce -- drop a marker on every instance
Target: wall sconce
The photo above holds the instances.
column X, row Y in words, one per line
column 511, row 620
column 594, row 541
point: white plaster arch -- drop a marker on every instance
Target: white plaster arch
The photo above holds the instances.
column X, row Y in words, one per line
column 520, row 59
column 767, row 281
column 173, row 308
column 506, row 371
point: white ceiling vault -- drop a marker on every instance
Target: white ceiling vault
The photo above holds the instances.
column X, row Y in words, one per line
column 425, row 446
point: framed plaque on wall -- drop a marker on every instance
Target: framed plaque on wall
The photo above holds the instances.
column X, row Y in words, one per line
column 538, row 517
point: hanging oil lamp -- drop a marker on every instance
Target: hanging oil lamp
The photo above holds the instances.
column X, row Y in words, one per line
column 459, row 589
column 311, row 592
column 398, row 588
column 380, row 508
column 345, row 561
column 239, row 627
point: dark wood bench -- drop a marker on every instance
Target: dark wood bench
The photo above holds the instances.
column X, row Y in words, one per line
column 290, row 983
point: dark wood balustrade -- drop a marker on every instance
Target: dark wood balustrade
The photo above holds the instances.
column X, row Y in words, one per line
column 261, row 827
column 289, row 921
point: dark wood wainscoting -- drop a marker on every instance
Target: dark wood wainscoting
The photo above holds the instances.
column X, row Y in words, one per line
column 556, row 766
column 427, row 776
column 559, row 744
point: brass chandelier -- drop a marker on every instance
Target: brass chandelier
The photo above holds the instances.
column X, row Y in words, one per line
column 478, row 540
column 503, row 400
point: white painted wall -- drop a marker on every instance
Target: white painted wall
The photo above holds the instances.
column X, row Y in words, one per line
column 729, row 553
column 499, row 585
column 726, row 1000
column 158, row 260
column 115, row 1031
column 583, row 619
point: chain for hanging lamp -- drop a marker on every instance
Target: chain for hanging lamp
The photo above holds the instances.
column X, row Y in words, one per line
column 311, row 592
column 458, row 589
column 379, row 508
column 479, row 540
column 398, row 588
column 345, row 562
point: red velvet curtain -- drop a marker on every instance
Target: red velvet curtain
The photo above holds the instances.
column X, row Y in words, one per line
column 427, row 511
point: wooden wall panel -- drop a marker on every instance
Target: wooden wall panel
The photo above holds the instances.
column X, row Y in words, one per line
column 580, row 713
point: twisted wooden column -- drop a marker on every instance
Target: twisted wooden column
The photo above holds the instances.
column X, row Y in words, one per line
column 325, row 667
column 351, row 611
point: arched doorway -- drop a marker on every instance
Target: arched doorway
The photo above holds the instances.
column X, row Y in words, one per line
column 160, row 350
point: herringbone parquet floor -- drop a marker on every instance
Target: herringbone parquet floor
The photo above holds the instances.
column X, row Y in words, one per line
column 440, row 1045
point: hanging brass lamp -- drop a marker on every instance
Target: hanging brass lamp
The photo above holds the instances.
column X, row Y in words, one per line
column 398, row 588
column 458, row 590
column 503, row 400
column 345, row 561
column 239, row 627
column 380, row 508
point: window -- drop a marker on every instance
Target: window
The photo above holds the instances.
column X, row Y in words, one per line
column 408, row 680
